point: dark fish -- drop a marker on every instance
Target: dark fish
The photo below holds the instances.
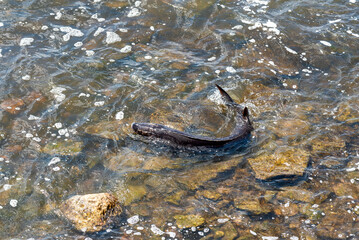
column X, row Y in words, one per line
column 242, row 129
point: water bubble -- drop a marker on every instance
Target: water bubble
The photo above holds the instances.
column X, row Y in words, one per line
column 13, row 203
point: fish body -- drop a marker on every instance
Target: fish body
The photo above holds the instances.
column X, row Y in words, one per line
column 175, row 137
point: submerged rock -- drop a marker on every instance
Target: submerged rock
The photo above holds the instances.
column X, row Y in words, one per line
column 209, row 194
column 295, row 194
column 348, row 112
column 13, row 106
column 157, row 163
column 283, row 162
column 255, row 206
column 107, row 130
column 62, row 147
column 128, row 194
column 124, row 160
column 327, row 144
column 290, row 127
column 288, row 209
column 91, row 212
column 197, row 176
column 187, row 221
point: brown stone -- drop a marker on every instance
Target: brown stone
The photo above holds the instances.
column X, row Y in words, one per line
column 91, row 212
column 285, row 161
column 288, row 209
column 290, row 127
column 13, row 106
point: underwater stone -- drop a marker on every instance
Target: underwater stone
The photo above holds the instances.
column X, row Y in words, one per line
column 187, row 221
column 290, row 127
column 13, row 106
column 63, row 147
column 253, row 205
column 327, row 144
column 209, row 194
column 195, row 177
column 348, row 112
column 108, row 130
column 284, row 161
column 91, row 212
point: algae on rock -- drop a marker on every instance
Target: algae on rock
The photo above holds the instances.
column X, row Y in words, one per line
column 285, row 161
column 63, row 147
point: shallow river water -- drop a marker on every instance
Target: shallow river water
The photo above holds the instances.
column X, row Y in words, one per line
column 74, row 75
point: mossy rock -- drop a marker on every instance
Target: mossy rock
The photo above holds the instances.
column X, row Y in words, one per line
column 209, row 194
column 290, row 127
column 253, row 205
column 285, row 161
column 327, row 144
column 128, row 194
column 91, row 212
column 187, row 221
column 195, row 177
column 62, row 147
column 109, row 130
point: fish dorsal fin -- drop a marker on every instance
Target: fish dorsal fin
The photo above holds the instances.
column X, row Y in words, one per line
column 246, row 115
column 224, row 95
column 245, row 112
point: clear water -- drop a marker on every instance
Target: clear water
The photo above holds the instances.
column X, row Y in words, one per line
column 75, row 74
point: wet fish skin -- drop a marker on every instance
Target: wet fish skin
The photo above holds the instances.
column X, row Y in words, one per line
column 176, row 137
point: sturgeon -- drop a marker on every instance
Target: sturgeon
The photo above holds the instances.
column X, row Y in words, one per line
column 241, row 130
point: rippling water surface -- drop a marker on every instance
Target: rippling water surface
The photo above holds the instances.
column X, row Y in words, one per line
column 75, row 74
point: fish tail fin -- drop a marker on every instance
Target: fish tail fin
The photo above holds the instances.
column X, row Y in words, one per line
column 225, row 95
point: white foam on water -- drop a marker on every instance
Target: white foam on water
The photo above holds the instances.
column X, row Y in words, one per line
column 112, row 37
column 98, row 31
column 133, row 220
column 222, row 220
column 54, row 161
column 7, row 187
column 156, row 230
column 70, row 32
column 26, row 41
column 290, row 50
column 231, row 70
column 119, row 115
column 13, row 203
column 32, row 117
column 99, row 103
column 90, row 53
column 26, row 77
column 126, row 49
column 325, row 43
column 134, row 12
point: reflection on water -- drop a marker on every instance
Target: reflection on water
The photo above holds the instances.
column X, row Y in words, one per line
column 75, row 74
